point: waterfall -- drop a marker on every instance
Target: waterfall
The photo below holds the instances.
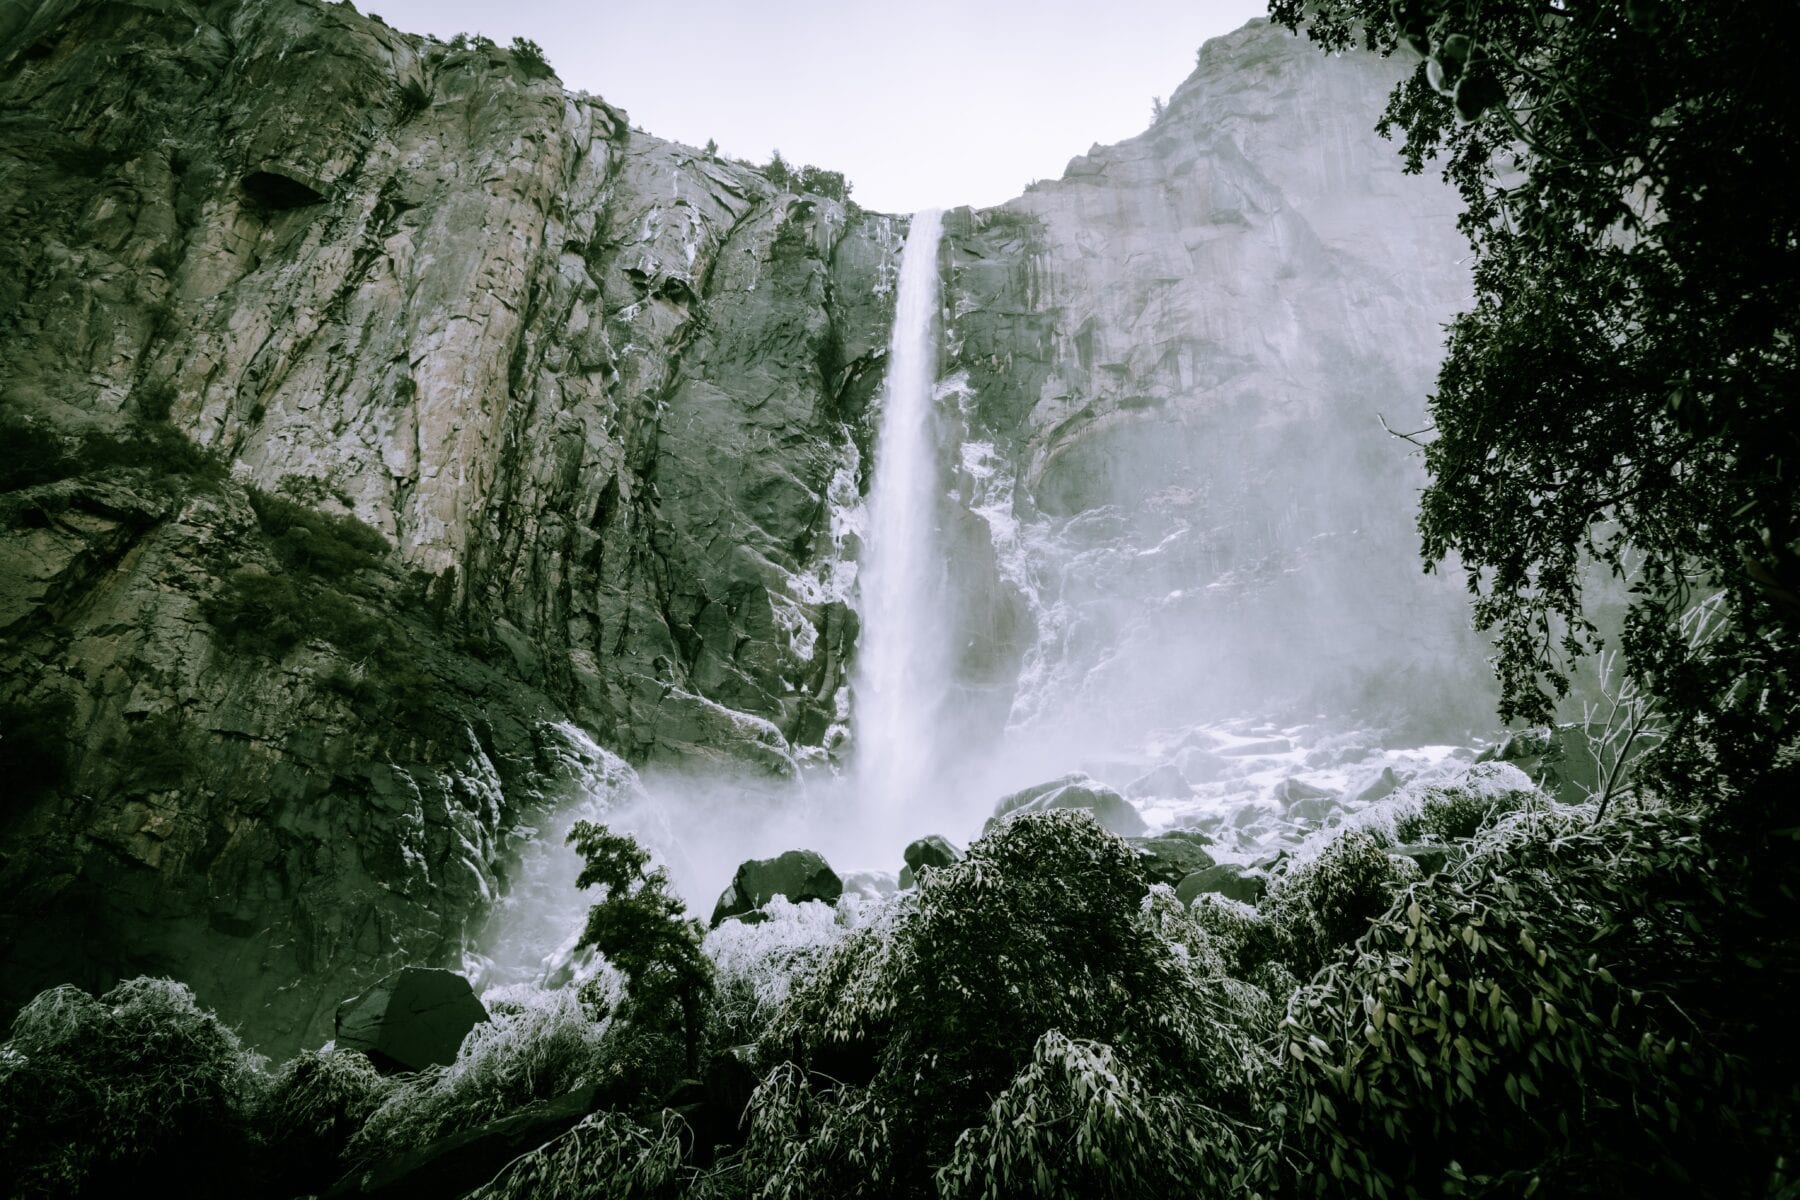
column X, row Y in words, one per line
column 902, row 669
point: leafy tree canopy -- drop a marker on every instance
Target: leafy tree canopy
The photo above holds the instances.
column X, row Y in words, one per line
column 1618, row 393
column 642, row 928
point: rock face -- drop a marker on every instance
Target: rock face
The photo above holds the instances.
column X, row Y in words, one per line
column 599, row 392
column 1174, row 362
column 415, row 1018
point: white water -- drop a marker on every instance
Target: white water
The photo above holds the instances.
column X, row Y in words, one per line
column 903, row 665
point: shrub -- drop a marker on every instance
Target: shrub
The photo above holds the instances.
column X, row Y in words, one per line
column 1580, row 1008
column 153, row 401
column 317, row 1100
column 138, row 1091
column 757, row 966
column 1328, row 901
column 933, row 1011
column 1457, row 811
column 304, row 539
column 537, row 1045
column 607, row 1154
column 260, row 613
column 1078, row 1122
column 530, row 55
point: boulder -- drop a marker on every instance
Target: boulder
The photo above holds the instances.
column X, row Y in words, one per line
column 415, row 1018
column 1301, row 801
column 799, row 875
column 1199, row 764
column 1226, row 879
column 931, row 851
column 1171, row 857
column 1112, row 810
column 1166, row 780
column 1375, row 789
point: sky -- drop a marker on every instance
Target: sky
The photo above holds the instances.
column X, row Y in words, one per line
column 920, row 103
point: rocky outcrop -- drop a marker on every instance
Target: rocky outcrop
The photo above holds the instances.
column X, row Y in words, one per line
column 597, row 393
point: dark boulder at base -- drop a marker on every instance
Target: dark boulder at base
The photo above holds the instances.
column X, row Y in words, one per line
column 799, row 875
column 415, row 1018
column 1226, row 879
column 1112, row 810
column 1171, row 857
column 929, row 851
column 463, row 1161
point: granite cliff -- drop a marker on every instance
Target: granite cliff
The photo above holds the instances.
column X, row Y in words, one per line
column 380, row 414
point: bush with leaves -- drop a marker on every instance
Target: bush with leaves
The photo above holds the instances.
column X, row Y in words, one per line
column 643, row 929
column 757, row 965
column 1458, row 809
column 606, row 1154
column 315, row 1103
column 536, row 1045
column 1328, row 901
column 139, row 1090
column 914, row 1023
column 1579, row 1007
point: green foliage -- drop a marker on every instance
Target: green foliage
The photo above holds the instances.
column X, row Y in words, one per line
column 305, row 539
column 36, row 454
column 536, row 1045
column 937, row 1010
column 35, row 741
column 1077, row 1122
column 607, row 1154
column 138, row 1091
column 808, row 179
column 153, row 401
column 1618, row 395
column 160, row 755
column 412, row 97
column 260, row 613
column 1557, row 1014
column 530, row 55
column 313, row 1105
column 1327, row 902
column 1449, row 812
column 643, row 929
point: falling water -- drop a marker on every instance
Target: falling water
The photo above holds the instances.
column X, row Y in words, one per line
column 902, row 665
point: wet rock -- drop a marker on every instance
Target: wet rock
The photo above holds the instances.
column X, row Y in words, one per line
column 1226, row 879
column 1112, row 810
column 1383, row 784
column 1265, row 746
column 1171, row 857
column 799, row 875
column 928, row 851
column 415, row 1018
column 1166, row 780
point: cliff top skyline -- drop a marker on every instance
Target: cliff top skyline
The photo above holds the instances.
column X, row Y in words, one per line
column 949, row 102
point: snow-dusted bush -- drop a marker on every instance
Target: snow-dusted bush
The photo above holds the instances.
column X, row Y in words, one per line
column 1577, row 1010
column 315, row 1103
column 1078, row 1121
column 607, row 1154
column 1458, row 809
column 921, row 1019
column 1327, row 901
column 757, row 965
column 140, row 1090
column 537, row 1044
